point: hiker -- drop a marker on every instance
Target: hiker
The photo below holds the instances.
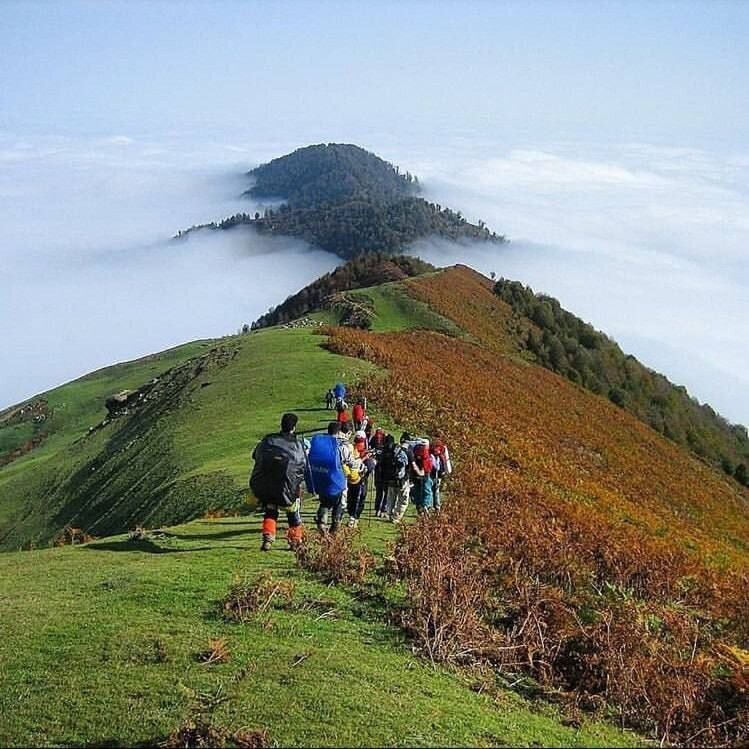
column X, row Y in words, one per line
column 359, row 415
column 346, row 451
column 328, row 475
column 360, row 443
column 329, row 399
column 358, row 481
column 343, row 417
column 369, row 427
column 339, row 391
column 376, row 446
column 421, row 468
column 276, row 480
column 442, row 468
column 395, row 462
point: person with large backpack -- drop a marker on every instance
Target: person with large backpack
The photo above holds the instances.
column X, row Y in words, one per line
column 276, row 480
column 359, row 415
column 376, row 446
column 328, row 477
column 422, row 467
column 442, row 468
column 395, row 461
column 339, row 391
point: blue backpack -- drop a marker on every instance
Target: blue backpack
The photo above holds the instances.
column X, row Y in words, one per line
column 340, row 391
column 327, row 475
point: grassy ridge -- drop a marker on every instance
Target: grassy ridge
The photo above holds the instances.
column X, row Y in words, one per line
column 100, row 642
column 179, row 455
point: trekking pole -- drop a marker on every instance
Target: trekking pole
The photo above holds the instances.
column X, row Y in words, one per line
column 369, row 497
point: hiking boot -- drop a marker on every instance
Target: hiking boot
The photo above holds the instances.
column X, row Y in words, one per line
column 267, row 543
column 352, row 522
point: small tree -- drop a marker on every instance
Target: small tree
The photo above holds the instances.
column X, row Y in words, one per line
column 741, row 474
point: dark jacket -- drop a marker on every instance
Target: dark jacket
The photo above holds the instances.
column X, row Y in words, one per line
column 279, row 469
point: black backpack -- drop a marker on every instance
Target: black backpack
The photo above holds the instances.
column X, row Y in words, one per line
column 392, row 469
column 279, row 469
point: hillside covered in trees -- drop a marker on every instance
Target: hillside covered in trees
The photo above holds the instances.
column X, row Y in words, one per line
column 567, row 345
column 349, row 202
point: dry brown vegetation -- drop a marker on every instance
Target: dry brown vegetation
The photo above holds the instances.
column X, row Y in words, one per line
column 577, row 546
column 70, row 536
column 199, row 734
column 217, row 651
column 337, row 558
column 248, row 597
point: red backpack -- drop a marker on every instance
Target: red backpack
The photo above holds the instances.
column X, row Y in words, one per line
column 358, row 412
column 424, row 458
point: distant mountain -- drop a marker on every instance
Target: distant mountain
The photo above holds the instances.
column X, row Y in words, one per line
column 315, row 175
column 348, row 201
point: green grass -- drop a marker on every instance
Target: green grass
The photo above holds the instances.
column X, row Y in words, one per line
column 100, row 647
column 396, row 310
column 177, row 458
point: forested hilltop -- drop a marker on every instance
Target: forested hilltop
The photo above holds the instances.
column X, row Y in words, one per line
column 348, row 201
column 567, row 345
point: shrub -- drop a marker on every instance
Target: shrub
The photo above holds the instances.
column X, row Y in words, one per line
column 70, row 536
column 249, row 597
column 216, row 652
column 337, row 557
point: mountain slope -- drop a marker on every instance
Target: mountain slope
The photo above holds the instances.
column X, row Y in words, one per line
column 514, row 320
column 180, row 451
column 578, row 547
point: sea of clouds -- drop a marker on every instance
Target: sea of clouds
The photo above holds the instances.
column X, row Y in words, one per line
column 647, row 243
column 90, row 274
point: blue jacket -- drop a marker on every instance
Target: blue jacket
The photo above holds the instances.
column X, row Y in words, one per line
column 325, row 466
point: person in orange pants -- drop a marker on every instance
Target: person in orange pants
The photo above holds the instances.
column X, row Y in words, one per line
column 276, row 480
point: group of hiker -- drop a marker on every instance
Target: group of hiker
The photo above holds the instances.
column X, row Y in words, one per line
column 340, row 466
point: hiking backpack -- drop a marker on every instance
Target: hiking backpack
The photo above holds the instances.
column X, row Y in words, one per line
column 423, row 458
column 279, row 469
column 325, row 466
column 394, row 463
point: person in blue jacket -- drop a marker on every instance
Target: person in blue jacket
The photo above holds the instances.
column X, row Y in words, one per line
column 328, row 476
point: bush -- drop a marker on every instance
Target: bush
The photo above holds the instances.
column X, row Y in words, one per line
column 70, row 536
column 337, row 557
column 249, row 597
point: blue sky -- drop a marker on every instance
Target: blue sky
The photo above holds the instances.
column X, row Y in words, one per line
column 659, row 71
column 608, row 140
